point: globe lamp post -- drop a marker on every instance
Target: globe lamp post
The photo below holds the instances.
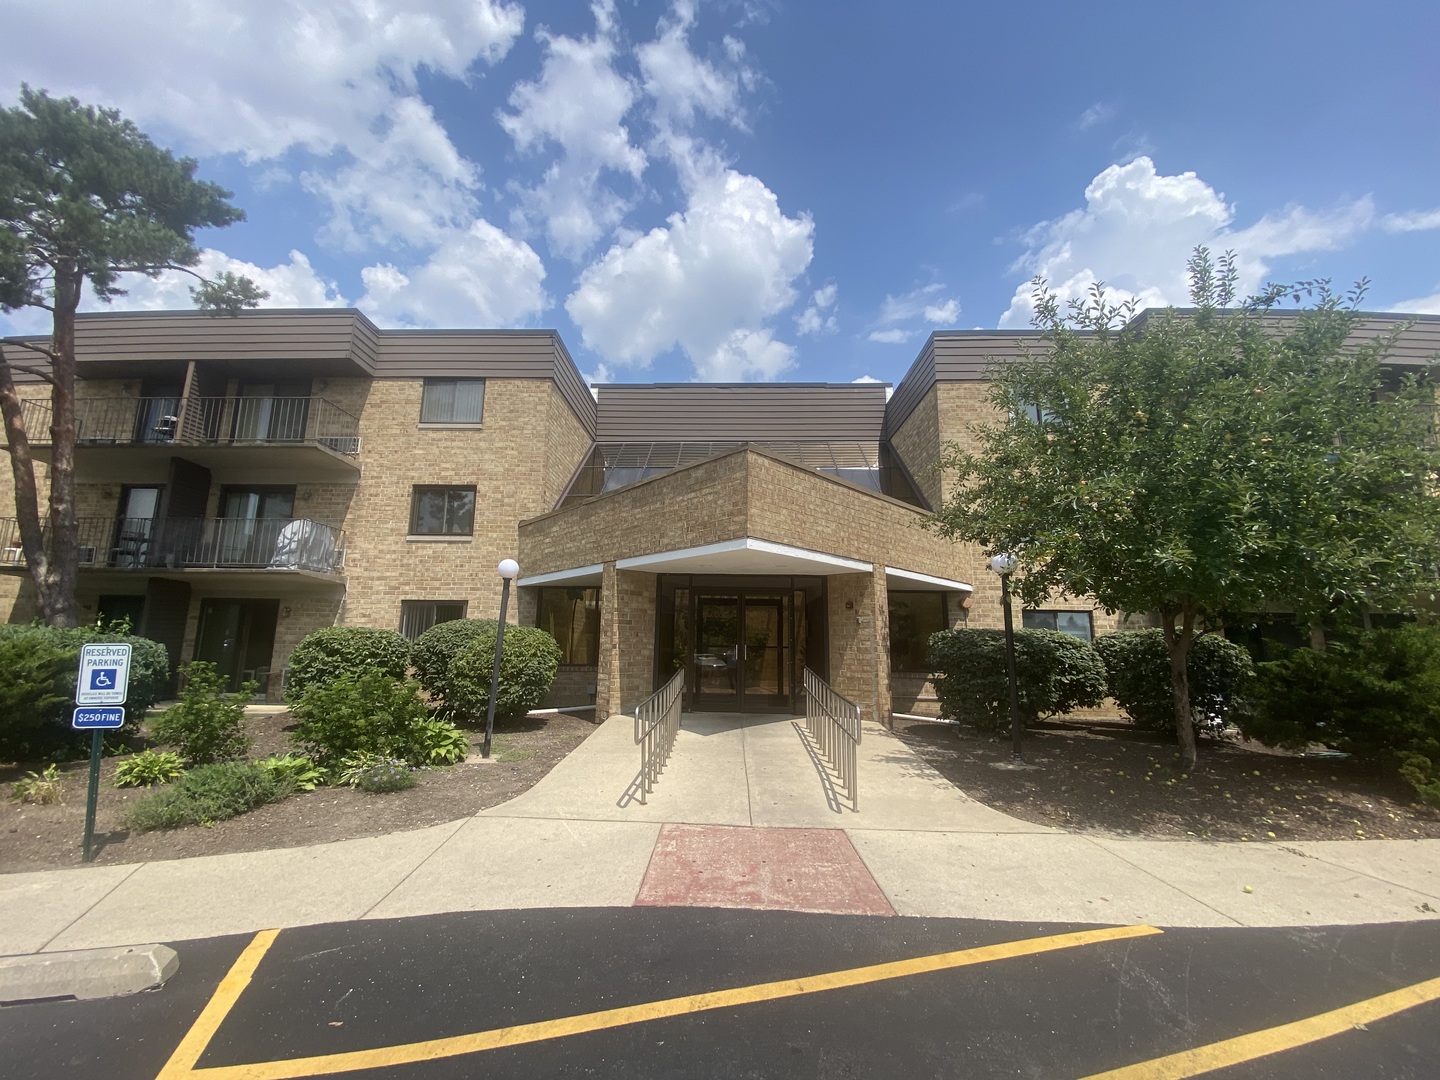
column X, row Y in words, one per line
column 509, row 570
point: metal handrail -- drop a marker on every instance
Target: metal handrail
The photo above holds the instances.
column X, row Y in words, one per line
column 833, row 723
column 657, row 722
column 191, row 543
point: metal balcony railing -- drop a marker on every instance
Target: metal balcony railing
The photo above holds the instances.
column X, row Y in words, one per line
column 196, row 543
column 201, row 421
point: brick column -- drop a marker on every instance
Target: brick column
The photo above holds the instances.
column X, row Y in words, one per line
column 880, row 645
column 607, row 675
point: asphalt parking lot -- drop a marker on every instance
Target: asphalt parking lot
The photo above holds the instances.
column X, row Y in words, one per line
column 671, row 992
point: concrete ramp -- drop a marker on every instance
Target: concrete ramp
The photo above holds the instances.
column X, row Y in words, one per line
column 742, row 769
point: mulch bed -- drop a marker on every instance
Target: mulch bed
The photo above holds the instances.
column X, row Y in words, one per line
column 1114, row 778
column 36, row 837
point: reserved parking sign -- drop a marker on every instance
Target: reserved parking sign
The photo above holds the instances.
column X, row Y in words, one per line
column 104, row 677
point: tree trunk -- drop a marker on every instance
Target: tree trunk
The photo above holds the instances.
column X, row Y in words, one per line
column 22, row 467
column 64, row 531
column 1178, row 640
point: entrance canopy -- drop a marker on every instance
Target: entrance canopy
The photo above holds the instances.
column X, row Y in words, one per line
column 744, row 556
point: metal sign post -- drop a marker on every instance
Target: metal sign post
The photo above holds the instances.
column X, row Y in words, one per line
column 100, row 691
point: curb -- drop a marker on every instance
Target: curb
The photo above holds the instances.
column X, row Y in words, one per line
column 85, row 975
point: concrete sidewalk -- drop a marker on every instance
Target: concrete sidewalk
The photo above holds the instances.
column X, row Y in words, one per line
column 579, row 838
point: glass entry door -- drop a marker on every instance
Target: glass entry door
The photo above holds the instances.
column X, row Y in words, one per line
column 742, row 651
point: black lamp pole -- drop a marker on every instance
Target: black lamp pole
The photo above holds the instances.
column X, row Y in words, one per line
column 1010, row 667
column 508, row 570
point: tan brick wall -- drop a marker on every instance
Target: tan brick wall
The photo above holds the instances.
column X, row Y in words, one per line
column 567, row 444
column 918, row 443
column 505, row 458
column 961, row 406
column 636, row 626
column 573, row 686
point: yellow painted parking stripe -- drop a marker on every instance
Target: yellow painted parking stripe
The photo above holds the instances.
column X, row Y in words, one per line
column 522, row 1034
column 182, row 1061
column 1220, row 1055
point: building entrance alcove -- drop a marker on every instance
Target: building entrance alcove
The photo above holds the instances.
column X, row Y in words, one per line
column 743, row 641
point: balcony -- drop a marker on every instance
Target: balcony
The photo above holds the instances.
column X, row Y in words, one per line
column 268, row 439
column 236, row 551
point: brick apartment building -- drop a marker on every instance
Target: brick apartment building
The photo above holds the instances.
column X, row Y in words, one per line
column 244, row 481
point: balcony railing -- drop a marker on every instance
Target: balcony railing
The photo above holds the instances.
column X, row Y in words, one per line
column 203, row 421
column 196, row 543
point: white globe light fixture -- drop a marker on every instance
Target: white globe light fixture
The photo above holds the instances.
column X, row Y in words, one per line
column 508, row 570
column 1004, row 563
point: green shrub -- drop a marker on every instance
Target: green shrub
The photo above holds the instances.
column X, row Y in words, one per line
column 1054, row 672
column 326, row 654
column 438, row 742
column 1137, row 670
column 38, row 665
column 435, row 650
column 1375, row 695
column 377, row 773
column 148, row 769
column 369, row 713
column 37, row 685
column 206, row 794
column 205, row 724
column 527, row 669
column 302, row 773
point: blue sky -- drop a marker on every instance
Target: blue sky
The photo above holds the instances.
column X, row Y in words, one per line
column 760, row 190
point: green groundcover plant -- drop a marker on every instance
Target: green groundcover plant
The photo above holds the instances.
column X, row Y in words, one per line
column 207, row 794
column 149, row 768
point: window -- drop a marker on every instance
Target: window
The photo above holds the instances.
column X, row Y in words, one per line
column 442, row 511
column 452, row 401
column 417, row 616
column 572, row 618
column 1074, row 623
column 914, row 616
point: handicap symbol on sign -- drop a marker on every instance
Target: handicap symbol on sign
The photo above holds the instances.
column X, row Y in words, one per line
column 102, row 679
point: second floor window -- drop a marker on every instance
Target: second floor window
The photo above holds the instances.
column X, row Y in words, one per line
column 452, row 401
column 442, row 511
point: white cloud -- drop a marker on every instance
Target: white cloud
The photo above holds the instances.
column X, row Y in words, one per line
column 819, row 317
column 476, row 278
column 1096, row 114
column 291, row 284
column 1414, row 221
column 578, row 105
column 746, row 354
column 337, row 79
column 682, row 84
column 927, row 305
column 1138, row 227
column 1420, row 305
column 706, row 282
column 409, row 184
column 256, row 78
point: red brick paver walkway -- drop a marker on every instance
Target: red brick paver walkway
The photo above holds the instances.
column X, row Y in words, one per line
column 778, row 869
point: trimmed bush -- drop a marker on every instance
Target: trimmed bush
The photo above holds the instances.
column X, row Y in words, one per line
column 527, row 669
column 1137, row 670
column 204, row 725
column 326, row 654
column 37, row 684
column 1054, row 672
column 435, row 650
column 208, row 793
column 370, row 713
column 38, row 665
column 1375, row 695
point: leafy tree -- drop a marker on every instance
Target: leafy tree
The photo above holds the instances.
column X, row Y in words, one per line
column 85, row 198
column 1193, row 463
